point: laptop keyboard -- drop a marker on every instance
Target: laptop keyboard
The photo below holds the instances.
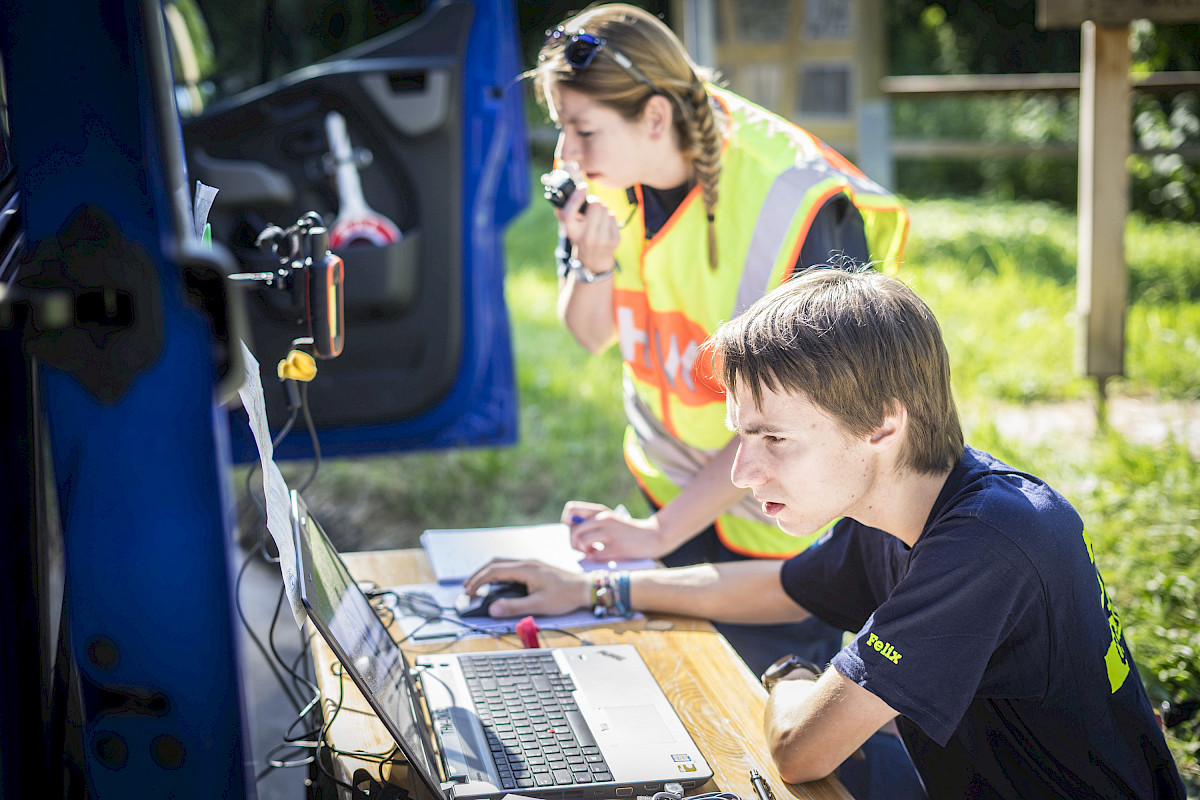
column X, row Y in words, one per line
column 535, row 731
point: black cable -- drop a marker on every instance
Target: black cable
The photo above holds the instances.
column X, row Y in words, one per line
column 274, row 658
column 312, row 433
column 296, row 678
column 423, row 605
column 495, row 633
column 302, row 658
column 316, row 742
column 336, row 669
column 284, row 431
column 253, row 636
column 565, row 632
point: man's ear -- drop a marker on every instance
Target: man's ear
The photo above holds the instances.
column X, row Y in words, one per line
column 890, row 432
column 658, row 116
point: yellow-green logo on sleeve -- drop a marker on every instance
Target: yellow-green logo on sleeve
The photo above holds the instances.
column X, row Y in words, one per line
column 883, row 648
column 1116, row 660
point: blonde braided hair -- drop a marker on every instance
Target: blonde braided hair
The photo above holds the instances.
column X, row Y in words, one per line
column 705, row 133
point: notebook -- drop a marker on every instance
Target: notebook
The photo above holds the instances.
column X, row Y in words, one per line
column 463, row 720
column 455, row 553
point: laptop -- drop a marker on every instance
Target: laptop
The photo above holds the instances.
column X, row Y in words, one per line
column 563, row 723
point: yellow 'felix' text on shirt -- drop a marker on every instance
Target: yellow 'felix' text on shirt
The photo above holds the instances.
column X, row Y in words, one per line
column 885, row 648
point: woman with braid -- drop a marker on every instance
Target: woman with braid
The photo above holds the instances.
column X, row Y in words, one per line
column 692, row 203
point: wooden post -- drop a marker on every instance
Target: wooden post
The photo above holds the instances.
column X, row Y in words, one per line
column 1104, row 144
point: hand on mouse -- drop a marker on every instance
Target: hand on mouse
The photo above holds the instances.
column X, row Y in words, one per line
column 551, row 591
column 480, row 604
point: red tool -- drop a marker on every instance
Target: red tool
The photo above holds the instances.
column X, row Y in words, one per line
column 357, row 222
column 527, row 632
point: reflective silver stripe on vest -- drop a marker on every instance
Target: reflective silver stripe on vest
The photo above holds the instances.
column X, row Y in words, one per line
column 785, row 196
column 778, row 210
column 679, row 462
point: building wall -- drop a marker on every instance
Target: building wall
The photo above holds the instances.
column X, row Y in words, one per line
column 816, row 62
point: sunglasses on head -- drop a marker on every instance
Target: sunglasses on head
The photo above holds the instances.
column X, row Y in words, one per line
column 581, row 48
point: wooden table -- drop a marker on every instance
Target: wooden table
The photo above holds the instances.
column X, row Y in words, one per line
column 720, row 701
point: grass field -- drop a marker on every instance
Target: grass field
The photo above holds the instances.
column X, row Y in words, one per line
column 1001, row 280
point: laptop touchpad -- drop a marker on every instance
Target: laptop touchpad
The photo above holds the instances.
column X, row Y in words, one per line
column 633, row 724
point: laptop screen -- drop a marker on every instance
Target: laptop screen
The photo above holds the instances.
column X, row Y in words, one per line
column 345, row 618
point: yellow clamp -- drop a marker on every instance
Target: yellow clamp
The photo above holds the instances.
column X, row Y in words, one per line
column 298, row 366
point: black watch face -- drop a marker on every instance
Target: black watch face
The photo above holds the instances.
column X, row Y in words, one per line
column 784, row 667
column 780, row 668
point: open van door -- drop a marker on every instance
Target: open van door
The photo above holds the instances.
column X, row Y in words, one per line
column 409, row 142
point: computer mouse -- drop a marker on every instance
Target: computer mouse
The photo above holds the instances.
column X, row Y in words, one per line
column 477, row 606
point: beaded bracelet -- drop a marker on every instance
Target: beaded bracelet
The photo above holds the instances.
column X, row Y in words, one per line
column 602, row 594
column 621, row 602
column 610, row 594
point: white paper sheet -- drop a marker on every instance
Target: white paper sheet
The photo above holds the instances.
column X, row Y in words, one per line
column 455, row 553
column 275, row 489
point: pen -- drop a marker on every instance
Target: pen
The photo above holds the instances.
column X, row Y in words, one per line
column 760, row 786
column 621, row 511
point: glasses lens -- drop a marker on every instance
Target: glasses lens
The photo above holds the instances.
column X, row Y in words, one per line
column 581, row 49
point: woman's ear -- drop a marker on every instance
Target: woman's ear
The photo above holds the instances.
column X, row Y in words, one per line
column 658, row 116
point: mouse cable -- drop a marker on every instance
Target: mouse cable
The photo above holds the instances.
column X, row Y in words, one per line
column 423, row 606
column 566, row 632
column 416, row 604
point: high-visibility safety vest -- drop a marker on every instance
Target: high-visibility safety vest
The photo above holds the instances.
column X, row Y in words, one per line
column 775, row 176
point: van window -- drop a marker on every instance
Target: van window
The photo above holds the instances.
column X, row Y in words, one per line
column 223, row 47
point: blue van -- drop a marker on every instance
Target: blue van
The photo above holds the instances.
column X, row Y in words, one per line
column 383, row 132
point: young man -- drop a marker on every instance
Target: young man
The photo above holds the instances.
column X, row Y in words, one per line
column 984, row 628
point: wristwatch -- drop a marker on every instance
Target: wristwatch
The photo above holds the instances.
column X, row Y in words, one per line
column 784, row 667
column 585, row 275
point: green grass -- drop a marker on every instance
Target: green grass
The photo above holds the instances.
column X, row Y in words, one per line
column 1000, row 278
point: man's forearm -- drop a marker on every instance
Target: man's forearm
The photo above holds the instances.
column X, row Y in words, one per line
column 812, row 726
column 740, row 592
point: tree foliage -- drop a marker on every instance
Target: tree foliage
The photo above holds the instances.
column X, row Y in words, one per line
column 1000, row 36
column 964, row 37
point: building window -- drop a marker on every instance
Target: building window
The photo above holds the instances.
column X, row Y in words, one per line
column 824, row 90
column 828, row 19
column 763, row 20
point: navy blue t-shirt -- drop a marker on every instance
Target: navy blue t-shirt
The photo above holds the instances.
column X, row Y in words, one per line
column 995, row 640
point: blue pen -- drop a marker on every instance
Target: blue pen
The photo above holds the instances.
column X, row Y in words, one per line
column 593, row 549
